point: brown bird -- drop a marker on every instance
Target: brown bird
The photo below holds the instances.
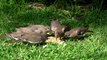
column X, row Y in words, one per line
column 76, row 32
column 57, row 28
column 32, row 37
column 34, row 28
column 31, row 33
column 42, row 28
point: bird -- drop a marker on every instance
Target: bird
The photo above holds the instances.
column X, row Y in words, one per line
column 31, row 33
column 76, row 32
column 57, row 28
column 32, row 37
column 42, row 28
column 34, row 28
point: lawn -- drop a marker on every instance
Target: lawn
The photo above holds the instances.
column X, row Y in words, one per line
column 93, row 47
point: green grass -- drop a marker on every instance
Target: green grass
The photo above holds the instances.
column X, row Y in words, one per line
column 93, row 47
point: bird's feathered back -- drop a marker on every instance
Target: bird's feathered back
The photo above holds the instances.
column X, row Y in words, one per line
column 76, row 32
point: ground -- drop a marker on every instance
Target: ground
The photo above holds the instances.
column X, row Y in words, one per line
column 93, row 47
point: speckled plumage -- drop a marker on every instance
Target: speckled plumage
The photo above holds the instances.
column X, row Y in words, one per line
column 32, row 33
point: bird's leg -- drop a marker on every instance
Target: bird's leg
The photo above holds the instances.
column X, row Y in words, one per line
column 56, row 35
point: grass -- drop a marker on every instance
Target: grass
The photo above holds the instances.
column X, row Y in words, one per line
column 93, row 47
